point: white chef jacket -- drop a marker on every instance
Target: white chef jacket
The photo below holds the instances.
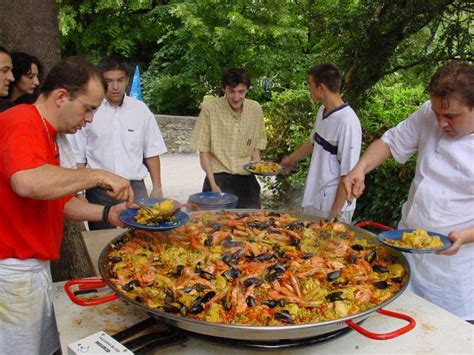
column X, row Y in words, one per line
column 119, row 138
column 336, row 139
column 441, row 199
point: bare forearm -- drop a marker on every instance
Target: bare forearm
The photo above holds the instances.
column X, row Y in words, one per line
column 207, row 167
column 303, row 151
column 49, row 182
column 80, row 210
column 377, row 153
column 154, row 168
column 339, row 199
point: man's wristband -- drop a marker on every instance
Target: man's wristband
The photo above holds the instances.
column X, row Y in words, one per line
column 105, row 214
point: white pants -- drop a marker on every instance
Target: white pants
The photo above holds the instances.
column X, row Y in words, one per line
column 346, row 217
column 27, row 322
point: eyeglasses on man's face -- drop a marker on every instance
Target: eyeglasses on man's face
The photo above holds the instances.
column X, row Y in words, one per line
column 90, row 110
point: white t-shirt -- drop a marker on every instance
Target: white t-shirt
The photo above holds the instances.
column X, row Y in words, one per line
column 119, row 138
column 441, row 199
column 336, row 141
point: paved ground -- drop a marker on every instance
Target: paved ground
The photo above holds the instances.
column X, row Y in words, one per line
column 181, row 176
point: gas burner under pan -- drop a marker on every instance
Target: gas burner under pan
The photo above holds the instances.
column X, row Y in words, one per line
column 272, row 345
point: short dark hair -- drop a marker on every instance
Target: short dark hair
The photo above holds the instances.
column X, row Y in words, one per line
column 114, row 62
column 72, row 74
column 454, row 79
column 235, row 76
column 327, row 74
column 22, row 66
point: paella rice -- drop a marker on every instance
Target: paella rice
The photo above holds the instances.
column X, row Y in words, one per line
column 259, row 268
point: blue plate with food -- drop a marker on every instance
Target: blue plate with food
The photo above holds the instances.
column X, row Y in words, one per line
column 265, row 168
column 417, row 241
column 155, row 215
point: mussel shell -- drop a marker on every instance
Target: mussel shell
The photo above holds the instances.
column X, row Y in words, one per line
column 250, row 300
column 227, row 259
column 270, row 303
column 333, row 275
column 284, row 316
column 352, row 258
column 115, row 259
column 397, row 280
column 207, row 275
column 172, row 307
column 379, row 269
column 357, row 247
column 252, row 281
column 370, row 257
column 131, row 285
column 231, row 274
column 263, row 257
column 381, row 285
column 208, row 296
column 196, row 308
column 334, row 296
column 238, row 254
column 306, row 256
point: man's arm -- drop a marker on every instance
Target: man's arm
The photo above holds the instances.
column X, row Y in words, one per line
column 80, row 210
column 339, row 200
column 303, row 151
column 154, row 167
column 255, row 156
column 377, row 153
column 49, row 182
column 206, row 166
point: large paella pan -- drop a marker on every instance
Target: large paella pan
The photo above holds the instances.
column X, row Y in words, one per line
column 256, row 275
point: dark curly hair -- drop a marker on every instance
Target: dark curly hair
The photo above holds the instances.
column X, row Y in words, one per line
column 22, row 66
column 454, row 79
column 235, row 76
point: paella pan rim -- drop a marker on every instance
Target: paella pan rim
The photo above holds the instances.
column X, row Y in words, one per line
column 250, row 332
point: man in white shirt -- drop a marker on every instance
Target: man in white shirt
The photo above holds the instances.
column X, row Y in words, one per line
column 441, row 197
column 124, row 139
column 334, row 144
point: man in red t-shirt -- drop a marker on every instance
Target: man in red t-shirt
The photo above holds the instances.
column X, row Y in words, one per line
column 37, row 193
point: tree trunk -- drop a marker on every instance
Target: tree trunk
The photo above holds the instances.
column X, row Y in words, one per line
column 31, row 26
column 74, row 259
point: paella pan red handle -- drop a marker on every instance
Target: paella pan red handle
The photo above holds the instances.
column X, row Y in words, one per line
column 384, row 336
column 373, row 224
column 87, row 284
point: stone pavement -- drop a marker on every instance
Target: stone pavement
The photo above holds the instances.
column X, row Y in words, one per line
column 181, row 176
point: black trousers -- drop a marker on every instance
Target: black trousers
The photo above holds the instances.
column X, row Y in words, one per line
column 245, row 187
column 99, row 196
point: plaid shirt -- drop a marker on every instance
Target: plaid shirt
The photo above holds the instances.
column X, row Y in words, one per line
column 230, row 140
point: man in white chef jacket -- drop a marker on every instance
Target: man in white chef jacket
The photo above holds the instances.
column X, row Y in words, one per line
column 123, row 139
column 441, row 197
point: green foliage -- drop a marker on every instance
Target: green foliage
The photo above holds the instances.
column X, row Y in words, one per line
column 95, row 28
column 289, row 119
column 206, row 37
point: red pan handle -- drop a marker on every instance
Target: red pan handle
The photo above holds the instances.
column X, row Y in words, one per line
column 373, row 224
column 85, row 284
column 384, row 336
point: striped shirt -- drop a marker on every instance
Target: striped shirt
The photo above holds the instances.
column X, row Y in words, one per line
column 229, row 139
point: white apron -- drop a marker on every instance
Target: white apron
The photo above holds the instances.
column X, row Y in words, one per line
column 27, row 322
